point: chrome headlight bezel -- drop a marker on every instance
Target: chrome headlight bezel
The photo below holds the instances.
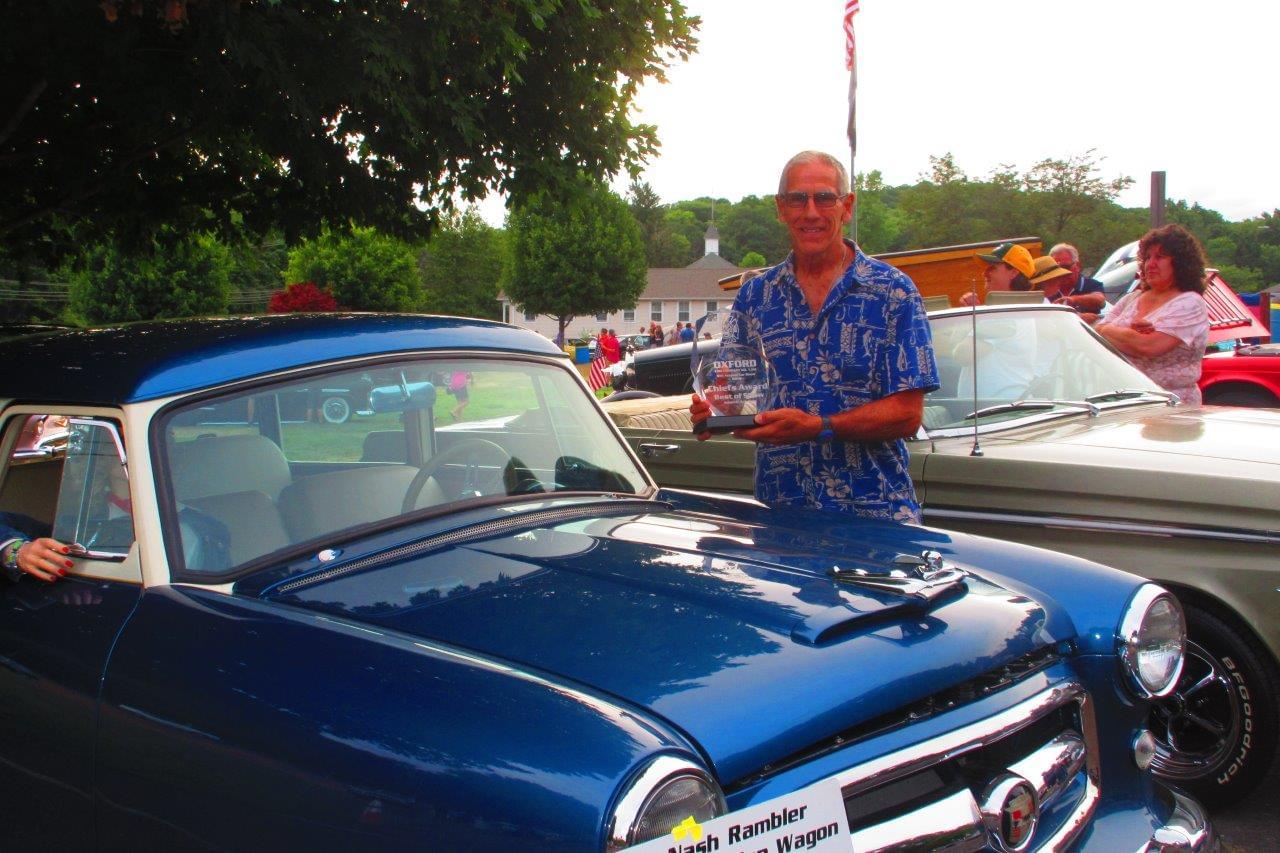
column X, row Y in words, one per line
column 1135, row 636
column 643, row 791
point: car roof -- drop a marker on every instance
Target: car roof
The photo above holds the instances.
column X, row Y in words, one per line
column 146, row 361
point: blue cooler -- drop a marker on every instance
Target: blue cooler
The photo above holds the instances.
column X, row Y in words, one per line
column 582, row 355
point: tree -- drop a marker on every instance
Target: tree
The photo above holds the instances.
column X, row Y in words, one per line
column 752, row 225
column 879, row 226
column 462, row 267
column 575, row 255
column 663, row 247
column 125, row 113
column 174, row 275
column 1072, row 188
column 303, row 296
column 364, row 270
column 752, row 260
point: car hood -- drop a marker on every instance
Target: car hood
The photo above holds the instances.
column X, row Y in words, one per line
column 733, row 632
column 1211, row 464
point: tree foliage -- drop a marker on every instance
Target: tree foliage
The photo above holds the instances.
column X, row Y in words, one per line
column 364, row 270
column 575, row 255
column 125, row 113
column 302, row 296
column 462, row 267
column 173, row 276
column 664, row 246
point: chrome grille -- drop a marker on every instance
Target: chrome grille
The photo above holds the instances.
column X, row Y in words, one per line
column 945, row 793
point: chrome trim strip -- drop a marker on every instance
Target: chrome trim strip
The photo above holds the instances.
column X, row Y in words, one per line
column 876, row 772
column 1107, row 526
column 953, row 823
column 618, row 834
column 1051, row 768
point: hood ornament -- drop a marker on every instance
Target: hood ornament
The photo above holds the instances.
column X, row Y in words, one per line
column 924, row 577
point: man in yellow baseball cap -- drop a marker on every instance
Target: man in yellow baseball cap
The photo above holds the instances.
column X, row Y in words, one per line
column 1009, row 267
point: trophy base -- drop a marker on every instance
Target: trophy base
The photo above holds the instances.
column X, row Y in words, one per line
column 724, row 423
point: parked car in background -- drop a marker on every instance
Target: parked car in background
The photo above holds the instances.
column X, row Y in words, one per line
column 496, row 632
column 1088, row 459
column 1244, row 376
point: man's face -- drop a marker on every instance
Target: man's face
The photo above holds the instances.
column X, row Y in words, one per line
column 1000, row 276
column 1063, row 259
column 1054, row 286
column 814, row 230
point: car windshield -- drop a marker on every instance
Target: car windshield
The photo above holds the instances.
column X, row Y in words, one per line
column 260, row 470
column 1026, row 361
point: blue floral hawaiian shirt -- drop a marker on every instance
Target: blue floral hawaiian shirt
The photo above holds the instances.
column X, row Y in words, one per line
column 870, row 339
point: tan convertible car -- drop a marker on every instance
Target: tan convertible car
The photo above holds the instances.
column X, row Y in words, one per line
column 1062, row 443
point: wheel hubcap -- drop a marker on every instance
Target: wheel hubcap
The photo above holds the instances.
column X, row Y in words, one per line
column 1197, row 727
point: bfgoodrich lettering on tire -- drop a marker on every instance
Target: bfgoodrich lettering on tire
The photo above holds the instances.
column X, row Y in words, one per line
column 1216, row 735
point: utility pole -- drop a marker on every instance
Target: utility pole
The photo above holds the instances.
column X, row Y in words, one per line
column 1157, row 199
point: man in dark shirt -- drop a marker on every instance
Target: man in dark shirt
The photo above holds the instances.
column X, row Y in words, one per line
column 1083, row 294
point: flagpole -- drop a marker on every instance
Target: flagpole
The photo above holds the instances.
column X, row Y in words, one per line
column 851, row 63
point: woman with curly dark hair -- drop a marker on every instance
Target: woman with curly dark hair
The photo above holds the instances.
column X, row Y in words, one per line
column 1163, row 326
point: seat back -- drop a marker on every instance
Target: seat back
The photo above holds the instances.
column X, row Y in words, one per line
column 225, row 464
column 252, row 521
column 320, row 504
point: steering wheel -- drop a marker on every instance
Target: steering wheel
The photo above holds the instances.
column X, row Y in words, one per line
column 471, row 452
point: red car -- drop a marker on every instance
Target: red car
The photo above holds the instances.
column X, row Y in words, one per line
column 1248, row 375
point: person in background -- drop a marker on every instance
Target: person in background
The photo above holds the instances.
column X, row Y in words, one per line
column 1163, row 327
column 1050, row 277
column 1009, row 267
column 850, row 347
column 1081, row 293
column 608, row 346
column 687, row 333
column 673, row 336
column 655, row 335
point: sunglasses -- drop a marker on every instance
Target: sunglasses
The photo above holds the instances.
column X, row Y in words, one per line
column 800, row 199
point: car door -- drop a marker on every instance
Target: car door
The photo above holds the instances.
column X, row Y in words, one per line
column 55, row 637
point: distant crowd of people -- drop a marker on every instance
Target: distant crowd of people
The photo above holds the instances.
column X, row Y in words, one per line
column 614, row 349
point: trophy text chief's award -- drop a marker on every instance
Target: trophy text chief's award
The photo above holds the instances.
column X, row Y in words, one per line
column 734, row 379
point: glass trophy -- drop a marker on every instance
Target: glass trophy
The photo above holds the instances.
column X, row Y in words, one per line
column 736, row 380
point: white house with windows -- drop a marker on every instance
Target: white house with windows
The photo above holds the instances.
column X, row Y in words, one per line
column 671, row 295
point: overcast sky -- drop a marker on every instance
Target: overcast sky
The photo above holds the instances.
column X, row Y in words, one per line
column 1188, row 88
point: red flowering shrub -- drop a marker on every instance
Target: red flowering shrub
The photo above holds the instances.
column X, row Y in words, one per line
column 302, row 296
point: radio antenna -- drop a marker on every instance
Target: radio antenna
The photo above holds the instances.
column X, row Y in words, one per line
column 976, row 450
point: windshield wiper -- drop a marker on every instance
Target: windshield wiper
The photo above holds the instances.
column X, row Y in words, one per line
column 1127, row 393
column 1034, row 404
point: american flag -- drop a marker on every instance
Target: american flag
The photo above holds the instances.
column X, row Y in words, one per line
column 597, row 378
column 850, row 9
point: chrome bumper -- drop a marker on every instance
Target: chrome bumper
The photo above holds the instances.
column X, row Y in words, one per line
column 1188, row 829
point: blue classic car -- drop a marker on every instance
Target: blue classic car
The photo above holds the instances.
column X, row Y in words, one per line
column 469, row 620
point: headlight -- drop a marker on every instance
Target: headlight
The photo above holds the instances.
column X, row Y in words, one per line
column 669, row 791
column 1153, row 634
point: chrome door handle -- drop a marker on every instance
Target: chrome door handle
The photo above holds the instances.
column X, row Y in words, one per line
column 648, row 451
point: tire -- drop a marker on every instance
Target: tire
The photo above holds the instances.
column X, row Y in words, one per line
column 1256, row 397
column 335, row 410
column 1216, row 735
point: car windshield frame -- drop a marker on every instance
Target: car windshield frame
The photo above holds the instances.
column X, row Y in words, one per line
column 1043, row 363
column 589, row 456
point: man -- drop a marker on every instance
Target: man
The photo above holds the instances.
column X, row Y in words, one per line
column 687, row 333
column 1051, row 278
column 1009, row 267
column 608, row 346
column 1083, row 294
column 848, row 341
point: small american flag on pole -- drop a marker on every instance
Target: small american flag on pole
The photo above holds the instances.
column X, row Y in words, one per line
column 597, row 378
